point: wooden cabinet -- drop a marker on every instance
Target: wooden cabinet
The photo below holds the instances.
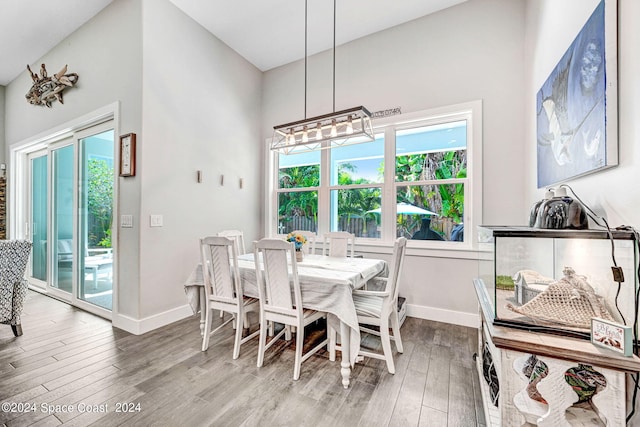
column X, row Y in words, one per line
column 511, row 348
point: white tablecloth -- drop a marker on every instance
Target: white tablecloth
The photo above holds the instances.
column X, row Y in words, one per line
column 326, row 284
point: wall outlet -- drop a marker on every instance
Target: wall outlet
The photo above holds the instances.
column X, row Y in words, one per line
column 155, row 220
column 126, row 221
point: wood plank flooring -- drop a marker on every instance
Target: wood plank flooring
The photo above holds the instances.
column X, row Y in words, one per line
column 73, row 368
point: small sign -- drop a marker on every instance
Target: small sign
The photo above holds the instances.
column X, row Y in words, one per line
column 613, row 336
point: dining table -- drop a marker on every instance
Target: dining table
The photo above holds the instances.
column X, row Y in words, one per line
column 326, row 284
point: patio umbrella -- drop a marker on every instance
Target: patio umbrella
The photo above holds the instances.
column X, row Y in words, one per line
column 407, row 209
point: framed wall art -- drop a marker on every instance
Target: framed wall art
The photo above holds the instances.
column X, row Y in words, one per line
column 576, row 107
column 128, row 155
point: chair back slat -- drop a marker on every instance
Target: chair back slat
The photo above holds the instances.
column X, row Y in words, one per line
column 339, row 244
column 236, row 235
column 277, row 275
column 397, row 262
column 217, row 268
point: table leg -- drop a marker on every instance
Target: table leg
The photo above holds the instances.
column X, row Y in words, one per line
column 203, row 309
column 345, row 364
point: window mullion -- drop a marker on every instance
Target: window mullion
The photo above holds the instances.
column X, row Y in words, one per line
column 324, row 203
column 388, row 188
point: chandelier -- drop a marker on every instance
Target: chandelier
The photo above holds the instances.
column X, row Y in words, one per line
column 335, row 129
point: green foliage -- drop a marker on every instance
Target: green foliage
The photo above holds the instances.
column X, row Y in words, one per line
column 446, row 199
column 106, row 241
column 100, row 202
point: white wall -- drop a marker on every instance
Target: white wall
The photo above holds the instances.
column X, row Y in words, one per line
column 109, row 65
column 201, row 111
column 471, row 51
column 550, row 28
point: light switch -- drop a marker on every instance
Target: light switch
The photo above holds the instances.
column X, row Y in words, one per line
column 126, row 221
column 155, row 220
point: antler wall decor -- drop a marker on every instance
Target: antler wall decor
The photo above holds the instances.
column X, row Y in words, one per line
column 47, row 89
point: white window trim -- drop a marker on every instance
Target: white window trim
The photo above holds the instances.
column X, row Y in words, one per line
column 469, row 111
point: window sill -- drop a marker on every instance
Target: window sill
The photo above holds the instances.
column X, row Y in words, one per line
column 445, row 250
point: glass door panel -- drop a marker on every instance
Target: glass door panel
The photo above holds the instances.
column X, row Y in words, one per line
column 38, row 171
column 62, row 220
column 95, row 208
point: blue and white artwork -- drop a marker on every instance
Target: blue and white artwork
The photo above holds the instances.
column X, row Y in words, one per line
column 572, row 108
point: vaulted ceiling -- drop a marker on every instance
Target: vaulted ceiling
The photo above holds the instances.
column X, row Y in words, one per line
column 266, row 33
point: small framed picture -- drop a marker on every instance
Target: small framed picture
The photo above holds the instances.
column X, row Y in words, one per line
column 128, row 155
column 611, row 335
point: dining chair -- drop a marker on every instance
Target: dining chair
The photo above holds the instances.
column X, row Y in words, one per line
column 339, row 244
column 310, row 246
column 223, row 289
column 236, row 235
column 281, row 298
column 376, row 308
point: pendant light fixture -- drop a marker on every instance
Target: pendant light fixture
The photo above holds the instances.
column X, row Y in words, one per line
column 335, row 129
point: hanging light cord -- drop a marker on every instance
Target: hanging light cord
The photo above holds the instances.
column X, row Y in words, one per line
column 305, row 58
column 334, row 56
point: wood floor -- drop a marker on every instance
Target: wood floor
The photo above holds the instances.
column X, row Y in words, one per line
column 73, row 368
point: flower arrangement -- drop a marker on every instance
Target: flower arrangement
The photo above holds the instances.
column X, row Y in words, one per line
column 297, row 239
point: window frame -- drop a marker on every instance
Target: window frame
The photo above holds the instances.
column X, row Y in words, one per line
column 471, row 112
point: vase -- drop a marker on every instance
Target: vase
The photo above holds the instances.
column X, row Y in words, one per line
column 299, row 255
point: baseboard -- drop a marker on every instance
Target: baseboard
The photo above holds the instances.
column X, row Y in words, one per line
column 446, row 316
column 141, row 326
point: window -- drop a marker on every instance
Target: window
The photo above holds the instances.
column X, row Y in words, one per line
column 298, row 183
column 431, row 173
column 357, row 172
column 420, row 178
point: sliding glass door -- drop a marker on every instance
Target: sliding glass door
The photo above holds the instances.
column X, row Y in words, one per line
column 69, row 217
column 95, row 217
column 62, row 183
column 37, row 224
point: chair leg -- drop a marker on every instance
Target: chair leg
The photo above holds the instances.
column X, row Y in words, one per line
column 263, row 340
column 236, row 344
column 332, row 335
column 207, row 330
column 17, row 329
column 395, row 326
column 299, row 345
column 386, row 344
column 245, row 321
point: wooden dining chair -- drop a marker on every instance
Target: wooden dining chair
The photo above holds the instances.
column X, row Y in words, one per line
column 310, row 246
column 281, row 298
column 339, row 244
column 236, row 235
column 223, row 289
column 377, row 308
